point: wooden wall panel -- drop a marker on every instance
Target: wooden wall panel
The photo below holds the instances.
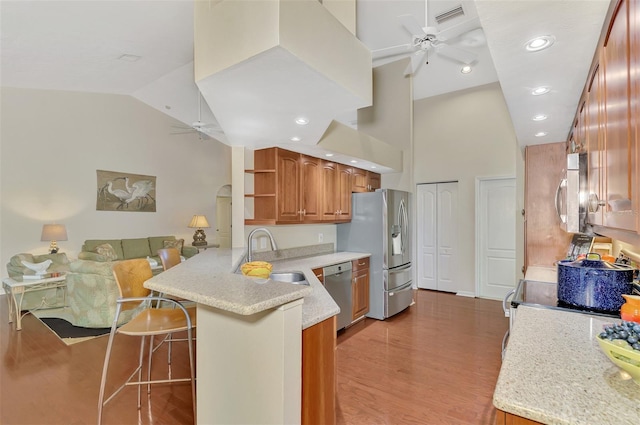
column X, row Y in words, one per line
column 546, row 242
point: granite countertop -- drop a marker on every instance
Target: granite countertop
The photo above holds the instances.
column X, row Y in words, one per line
column 208, row 278
column 555, row 373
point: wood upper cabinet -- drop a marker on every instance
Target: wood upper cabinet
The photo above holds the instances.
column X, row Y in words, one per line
column 292, row 188
column 329, row 185
column 594, row 137
column 343, row 192
column 311, row 188
column 364, row 181
column 374, row 181
column 634, row 101
column 619, row 152
column 360, row 288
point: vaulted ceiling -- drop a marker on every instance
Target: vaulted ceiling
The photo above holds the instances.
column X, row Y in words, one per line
column 145, row 49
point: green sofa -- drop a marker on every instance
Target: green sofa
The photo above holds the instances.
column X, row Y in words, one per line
column 91, row 287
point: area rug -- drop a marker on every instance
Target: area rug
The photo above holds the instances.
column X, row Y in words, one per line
column 70, row 334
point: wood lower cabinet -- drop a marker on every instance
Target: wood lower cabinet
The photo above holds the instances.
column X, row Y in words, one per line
column 319, row 273
column 319, row 373
column 360, row 288
column 504, row 418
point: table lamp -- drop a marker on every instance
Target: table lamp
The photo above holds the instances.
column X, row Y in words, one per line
column 53, row 233
column 198, row 222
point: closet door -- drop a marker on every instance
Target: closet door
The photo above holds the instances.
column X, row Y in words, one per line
column 437, row 228
column 447, row 235
column 427, row 241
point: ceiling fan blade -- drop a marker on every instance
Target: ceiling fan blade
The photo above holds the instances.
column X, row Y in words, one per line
column 410, row 23
column 392, row 51
column 457, row 30
column 417, row 59
column 455, row 54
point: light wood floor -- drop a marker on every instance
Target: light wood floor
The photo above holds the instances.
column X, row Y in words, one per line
column 436, row 363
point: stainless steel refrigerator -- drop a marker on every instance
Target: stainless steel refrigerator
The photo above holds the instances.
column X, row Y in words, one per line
column 381, row 225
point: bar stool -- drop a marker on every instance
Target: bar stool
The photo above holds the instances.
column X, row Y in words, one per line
column 130, row 276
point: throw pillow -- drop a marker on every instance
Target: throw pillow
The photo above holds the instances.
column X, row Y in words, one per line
column 177, row 244
column 106, row 251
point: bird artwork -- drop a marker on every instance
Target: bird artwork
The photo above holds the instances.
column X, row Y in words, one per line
column 125, row 192
column 38, row 268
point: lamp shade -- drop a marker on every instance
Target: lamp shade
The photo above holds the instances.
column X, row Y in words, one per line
column 54, row 232
column 199, row 221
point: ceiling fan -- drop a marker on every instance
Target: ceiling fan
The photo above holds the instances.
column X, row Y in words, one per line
column 431, row 40
column 204, row 131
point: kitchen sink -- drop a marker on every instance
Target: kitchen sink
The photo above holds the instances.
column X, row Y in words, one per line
column 297, row 278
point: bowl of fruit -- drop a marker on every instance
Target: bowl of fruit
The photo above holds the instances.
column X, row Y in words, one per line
column 621, row 343
column 260, row 269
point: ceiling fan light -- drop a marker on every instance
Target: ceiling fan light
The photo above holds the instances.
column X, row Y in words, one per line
column 466, row 69
column 539, row 43
column 540, row 90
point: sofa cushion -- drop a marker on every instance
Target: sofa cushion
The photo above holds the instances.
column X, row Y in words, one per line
column 90, row 245
column 157, row 242
column 136, row 248
column 107, row 252
column 177, row 244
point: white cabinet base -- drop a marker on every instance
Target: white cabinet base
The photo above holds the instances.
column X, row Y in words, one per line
column 249, row 367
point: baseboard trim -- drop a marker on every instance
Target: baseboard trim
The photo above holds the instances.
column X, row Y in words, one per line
column 466, row 294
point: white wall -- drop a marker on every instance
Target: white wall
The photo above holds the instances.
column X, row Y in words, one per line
column 458, row 137
column 52, row 143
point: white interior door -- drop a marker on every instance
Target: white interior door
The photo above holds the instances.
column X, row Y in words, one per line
column 437, row 237
column 223, row 221
column 447, row 236
column 426, row 241
column 496, row 238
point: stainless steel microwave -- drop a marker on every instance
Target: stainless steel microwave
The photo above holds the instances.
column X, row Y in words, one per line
column 571, row 195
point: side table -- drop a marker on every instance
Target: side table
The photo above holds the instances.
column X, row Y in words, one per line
column 204, row 247
column 16, row 288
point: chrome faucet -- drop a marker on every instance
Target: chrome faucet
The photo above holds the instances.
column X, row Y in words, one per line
column 253, row 232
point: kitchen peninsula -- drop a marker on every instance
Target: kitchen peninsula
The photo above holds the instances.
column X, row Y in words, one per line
column 555, row 373
column 249, row 333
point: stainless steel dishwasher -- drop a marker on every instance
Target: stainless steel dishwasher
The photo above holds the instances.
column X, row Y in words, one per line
column 337, row 281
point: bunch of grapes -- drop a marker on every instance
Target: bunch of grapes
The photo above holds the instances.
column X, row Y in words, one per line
column 627, row 331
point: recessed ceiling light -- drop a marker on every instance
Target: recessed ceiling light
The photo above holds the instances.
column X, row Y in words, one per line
column 295, row 139
column 539, row 117
column 466, row 69
column 541, row 134
column 129, row 58
column 540, row 90
column 539, row 43
column 328, row 154
column 353, row 161
column 302, row 121
column 373, row 167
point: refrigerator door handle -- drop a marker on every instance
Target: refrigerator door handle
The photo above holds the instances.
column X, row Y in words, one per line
column 404, row 223
column 400, row 269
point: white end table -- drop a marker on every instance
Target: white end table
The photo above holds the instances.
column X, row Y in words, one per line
column 16, row 289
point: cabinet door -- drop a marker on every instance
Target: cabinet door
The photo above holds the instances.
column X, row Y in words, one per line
column 360, row 293
column 374, row 181
column 311, row 188
column 618, row 190
column 360, row 181
column 343, row 191
column 634, row 102
column 595, row 144
column 288, row 193
column 329, row 185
